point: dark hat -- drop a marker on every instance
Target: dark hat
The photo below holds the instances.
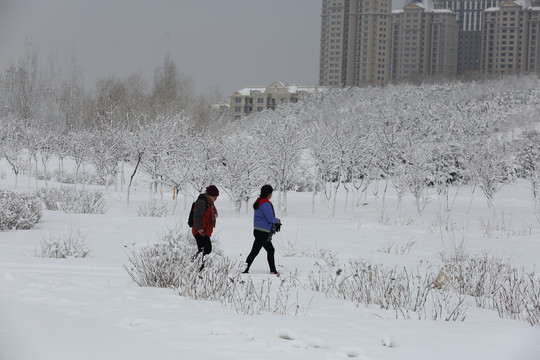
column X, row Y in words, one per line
column 212, row 190
column 266, row 190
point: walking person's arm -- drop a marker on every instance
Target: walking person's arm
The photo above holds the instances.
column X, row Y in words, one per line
column 200, row 207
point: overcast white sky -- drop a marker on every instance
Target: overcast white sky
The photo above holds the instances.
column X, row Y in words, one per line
column 222, row 45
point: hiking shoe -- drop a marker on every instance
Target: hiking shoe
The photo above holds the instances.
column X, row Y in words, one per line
column 245, row 272
column 274, row 272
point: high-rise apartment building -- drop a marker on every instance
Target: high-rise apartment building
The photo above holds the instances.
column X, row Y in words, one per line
column 469, row 14
column 364, row 43
column 424, row 42
column 510, row 37
column 332, row 58
column 354, row 42
column 372, row 51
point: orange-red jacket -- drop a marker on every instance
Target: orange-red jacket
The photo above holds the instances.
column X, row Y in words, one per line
column 204, row 216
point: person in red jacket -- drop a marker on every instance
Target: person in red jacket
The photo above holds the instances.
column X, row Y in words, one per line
column 204, row 219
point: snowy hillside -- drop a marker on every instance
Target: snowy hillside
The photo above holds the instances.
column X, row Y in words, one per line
column 411, row 228
column 89, row 308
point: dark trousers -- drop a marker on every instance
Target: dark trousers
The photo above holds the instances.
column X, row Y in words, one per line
column 262, row 241
column 204, row 245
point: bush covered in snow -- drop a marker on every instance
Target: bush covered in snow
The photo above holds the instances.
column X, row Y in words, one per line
column 72, row 244
column 494, row 284
column 443, row 293
column 18, row 211
column 82, row 177
column 409, row 294
column 173, row 263
column 153, row 209
column 290, row 249
column 158, row 265
column 73, row 201
column 463, row 281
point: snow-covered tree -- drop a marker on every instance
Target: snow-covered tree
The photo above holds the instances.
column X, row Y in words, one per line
column 418, row 176
column 447, row 173
column 12, row 145
column 47, row 146
column 332, row 147
column 61, row 146
column 241, row 167
column 32, row 142
column 529, row 165
column 281, row 145
column 22, row 92
column 177, row 164
column 389, row 141
column 172, row 91
column 79, row 149
column 153, row 144
column 106, row 152
column 203, row 162
column 492, row 166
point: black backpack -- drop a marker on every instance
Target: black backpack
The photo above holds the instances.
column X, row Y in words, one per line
column 190, row 220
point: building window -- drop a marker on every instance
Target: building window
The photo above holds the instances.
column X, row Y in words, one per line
column 238, row 100
column 260, row 100
column 259, row 108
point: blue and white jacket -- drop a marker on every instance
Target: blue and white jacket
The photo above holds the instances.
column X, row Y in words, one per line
column 264, row 216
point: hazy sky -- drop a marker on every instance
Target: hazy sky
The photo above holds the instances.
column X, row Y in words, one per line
column 222, row 45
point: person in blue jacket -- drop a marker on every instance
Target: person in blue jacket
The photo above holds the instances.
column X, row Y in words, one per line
column 264, row 219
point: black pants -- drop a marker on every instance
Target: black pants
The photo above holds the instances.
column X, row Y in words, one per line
column 262, row 241
column 204, row 245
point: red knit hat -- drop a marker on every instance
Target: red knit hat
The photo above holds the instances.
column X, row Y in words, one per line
column 212, row 190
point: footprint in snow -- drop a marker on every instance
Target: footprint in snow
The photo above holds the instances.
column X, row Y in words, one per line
column 288, row 334
column 356, row 353
column 135, row 322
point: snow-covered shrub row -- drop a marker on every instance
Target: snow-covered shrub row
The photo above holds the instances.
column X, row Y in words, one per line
column 18, row 211
column 462, row 282
column 83, row 177
column 409, row 294
column 72, row 244
column 73, row 201
column 390, row 248
column 494, row 284
column 153, row 209
column 290, row 249
column 173, row 263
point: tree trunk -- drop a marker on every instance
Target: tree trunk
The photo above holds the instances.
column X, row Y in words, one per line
column 313, row 202
column 131, row 178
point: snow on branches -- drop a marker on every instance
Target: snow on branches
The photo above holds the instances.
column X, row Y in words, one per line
column 418, row 139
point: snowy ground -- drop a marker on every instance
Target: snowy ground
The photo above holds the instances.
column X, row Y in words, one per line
column 74, row 309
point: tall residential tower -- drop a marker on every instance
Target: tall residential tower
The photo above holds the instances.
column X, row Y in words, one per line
column 510, row 37
column 424, row 42
column 469, row 14
column 354, row 42
column 364, row 42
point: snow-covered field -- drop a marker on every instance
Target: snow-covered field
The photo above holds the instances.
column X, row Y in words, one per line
column 89, row 308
